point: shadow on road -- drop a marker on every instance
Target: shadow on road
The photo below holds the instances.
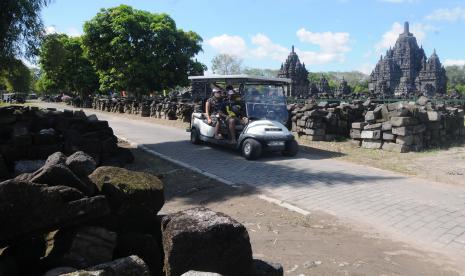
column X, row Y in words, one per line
column 271, row 171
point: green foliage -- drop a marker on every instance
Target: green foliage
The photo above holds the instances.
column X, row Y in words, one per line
column 20, row 28
column 224, row 64
column 65, row 67
column 456, row 79
column 361, row 87
column 16, row 77
column 139, row 51
column 260, row 72
column 357, row 80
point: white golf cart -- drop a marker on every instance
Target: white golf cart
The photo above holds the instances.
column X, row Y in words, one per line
column 264, row 102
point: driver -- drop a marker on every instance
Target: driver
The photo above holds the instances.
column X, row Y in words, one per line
column 234, row 114
column 214, row 109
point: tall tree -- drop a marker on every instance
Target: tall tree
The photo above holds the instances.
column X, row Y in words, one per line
column 224, row 64
column 20, row 28
column 16, row 77
column 65, row 67
column 80, row 74
column 51, row 60
column 139, row 51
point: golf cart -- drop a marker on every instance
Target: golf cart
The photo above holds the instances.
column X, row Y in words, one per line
column 265, row 110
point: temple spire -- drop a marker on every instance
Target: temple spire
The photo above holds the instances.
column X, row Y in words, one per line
column 406, row 28
column 292, row 49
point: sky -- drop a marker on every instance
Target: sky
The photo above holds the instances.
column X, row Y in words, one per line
column 329, row 35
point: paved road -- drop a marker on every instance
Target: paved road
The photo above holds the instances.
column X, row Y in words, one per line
column 414, row 209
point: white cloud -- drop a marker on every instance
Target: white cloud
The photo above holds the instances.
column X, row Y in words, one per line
column 451, row 62
column 366, row 68
column 50, row 29
column 389, row 38
column 450, row 15
column 266, row 48
column 333, row 47
column 329, row 42
column 226, row 44
column 73, row 32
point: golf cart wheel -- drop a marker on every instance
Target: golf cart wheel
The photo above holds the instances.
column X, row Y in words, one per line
column 251, row 149
column 292, row 148
column 195, row 139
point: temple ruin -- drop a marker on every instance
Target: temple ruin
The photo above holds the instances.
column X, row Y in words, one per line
column 297, row 72
column 405, row 70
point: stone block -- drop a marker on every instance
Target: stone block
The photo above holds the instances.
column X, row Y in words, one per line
column 371, row 144
column 433, row 116
column 386, row 126
column 370, row 116
column 371, row 134
column 388, row 136
column 359, row 125
column 403, row 121
column 205, row 240
column 315, row 132
column 134, row 197
column 393, row 147
column 40, row 208
column 129, row 266
column 355, row 134
column 404, row 140
column 373, row 126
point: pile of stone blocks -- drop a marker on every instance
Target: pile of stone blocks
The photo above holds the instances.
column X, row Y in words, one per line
column 324, row 121
column 30, row 133
column 404, row 127
column 70, row 217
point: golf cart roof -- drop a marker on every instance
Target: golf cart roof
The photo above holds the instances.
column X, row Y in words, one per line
column 238, row 79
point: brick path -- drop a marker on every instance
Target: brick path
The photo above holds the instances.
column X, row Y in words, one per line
column 421, row 211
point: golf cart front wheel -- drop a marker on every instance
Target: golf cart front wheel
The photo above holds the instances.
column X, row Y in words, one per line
column 195, row 137
column 251, row 149
column 292, row 148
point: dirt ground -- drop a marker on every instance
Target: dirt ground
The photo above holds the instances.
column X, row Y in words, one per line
column 445, row 165
column 316, row 244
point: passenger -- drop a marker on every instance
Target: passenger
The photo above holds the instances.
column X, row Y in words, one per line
column 235, row 115
column 214, row 109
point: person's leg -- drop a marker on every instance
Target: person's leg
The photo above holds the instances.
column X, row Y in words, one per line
column 232, row 129
column 217, row 122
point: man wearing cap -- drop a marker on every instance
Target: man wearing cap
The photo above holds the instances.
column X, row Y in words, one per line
column 214, row 109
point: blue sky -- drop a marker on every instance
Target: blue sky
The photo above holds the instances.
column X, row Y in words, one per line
column 337, row 35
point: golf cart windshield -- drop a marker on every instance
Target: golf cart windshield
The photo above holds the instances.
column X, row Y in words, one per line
column 265, row 102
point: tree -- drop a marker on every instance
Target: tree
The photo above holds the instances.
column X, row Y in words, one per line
column 456, row 79
column 80, row 75
column 224, row 64
column 139, row 51
column 16, row 77
column 20, row 28
column 260, row 72
column 65, row 67
column 51, row 60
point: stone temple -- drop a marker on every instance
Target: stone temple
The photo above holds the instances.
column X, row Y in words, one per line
column 297, row 72
column 405, row 70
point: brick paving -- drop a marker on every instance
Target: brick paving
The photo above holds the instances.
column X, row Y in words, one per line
column 412, row 208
